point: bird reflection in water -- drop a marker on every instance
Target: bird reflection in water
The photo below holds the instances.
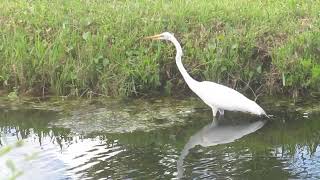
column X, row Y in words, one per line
column 217, row 133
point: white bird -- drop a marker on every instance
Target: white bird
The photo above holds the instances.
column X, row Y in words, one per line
column 216, row 96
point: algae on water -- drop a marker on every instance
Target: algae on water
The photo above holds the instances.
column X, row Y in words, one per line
column 130, row 116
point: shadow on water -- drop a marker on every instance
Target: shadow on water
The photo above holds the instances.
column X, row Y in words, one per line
column 239, row 146
column 216, row 133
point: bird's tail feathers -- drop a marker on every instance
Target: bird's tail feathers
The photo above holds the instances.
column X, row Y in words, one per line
column 256, row 109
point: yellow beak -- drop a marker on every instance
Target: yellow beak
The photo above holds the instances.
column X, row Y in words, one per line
column 155, row 37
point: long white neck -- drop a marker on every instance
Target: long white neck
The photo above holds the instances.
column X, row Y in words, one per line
column 189, row 80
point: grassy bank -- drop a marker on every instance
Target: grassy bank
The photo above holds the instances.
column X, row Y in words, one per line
column 85, row 47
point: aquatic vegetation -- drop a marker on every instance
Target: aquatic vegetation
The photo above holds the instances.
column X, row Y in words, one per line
column 135, row 115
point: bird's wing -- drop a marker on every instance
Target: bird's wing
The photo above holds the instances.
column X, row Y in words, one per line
column 223, row 97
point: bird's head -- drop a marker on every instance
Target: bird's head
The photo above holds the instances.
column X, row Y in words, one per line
column 162, row 36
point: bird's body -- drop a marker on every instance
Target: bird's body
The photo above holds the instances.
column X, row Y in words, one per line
column 216, row 96
column 220, row 98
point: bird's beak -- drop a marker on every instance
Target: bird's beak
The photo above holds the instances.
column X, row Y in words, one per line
column 155, row 37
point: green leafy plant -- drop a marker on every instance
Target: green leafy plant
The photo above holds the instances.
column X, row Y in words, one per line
column 96, row 46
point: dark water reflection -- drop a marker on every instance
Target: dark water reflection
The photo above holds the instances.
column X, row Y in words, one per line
column 216, row 133
column 238, row 147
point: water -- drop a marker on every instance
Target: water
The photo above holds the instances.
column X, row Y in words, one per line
column 157, row 139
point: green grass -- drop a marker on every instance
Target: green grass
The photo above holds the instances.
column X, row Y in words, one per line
column 84, row 47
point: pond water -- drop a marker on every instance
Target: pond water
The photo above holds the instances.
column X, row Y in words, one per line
column 157, row 139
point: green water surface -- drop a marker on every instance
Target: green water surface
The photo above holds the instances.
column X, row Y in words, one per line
column 157, row 139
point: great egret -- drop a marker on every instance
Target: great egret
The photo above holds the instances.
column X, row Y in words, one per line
column 216, row 96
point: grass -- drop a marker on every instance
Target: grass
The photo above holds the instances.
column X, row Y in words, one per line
column 87, row 47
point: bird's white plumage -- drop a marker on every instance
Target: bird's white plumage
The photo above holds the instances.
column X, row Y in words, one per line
column 222, row 97
column 217, row 96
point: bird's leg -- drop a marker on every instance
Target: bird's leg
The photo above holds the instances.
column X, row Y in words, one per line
column 221, row 112
column 214, row 111
column 214, row 122
column 221, row 117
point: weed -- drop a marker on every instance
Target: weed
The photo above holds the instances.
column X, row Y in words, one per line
column 76, row 47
